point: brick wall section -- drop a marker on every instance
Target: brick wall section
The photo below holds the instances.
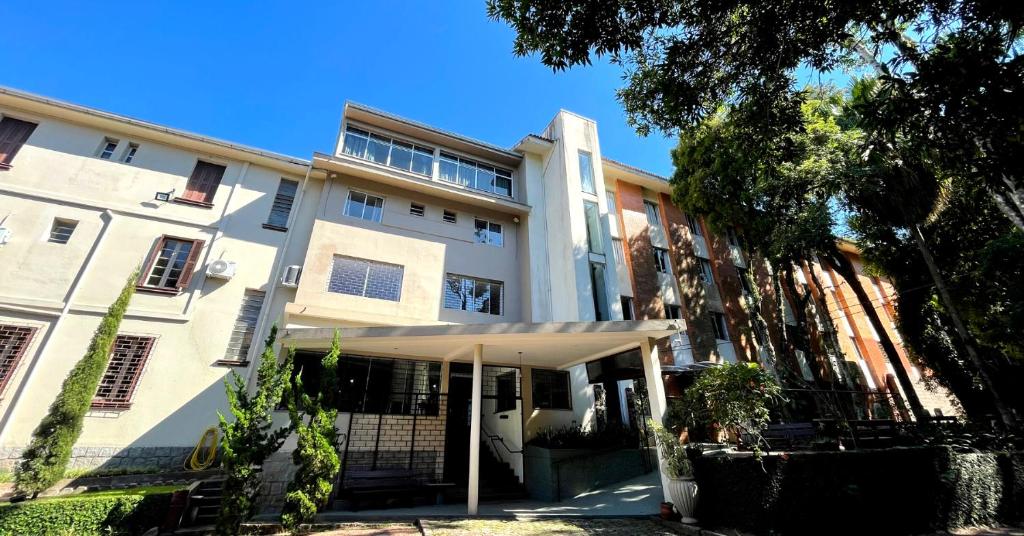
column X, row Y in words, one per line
column 731, row 290
column 687, row 272
column 396, row 440
column 639, row 253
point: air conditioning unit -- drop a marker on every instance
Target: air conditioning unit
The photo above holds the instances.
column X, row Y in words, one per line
column 291, row 275
column 221, row 269
column 5, row 235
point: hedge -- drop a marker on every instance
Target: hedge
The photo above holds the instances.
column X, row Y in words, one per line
column 892, row 491
column 88, row 514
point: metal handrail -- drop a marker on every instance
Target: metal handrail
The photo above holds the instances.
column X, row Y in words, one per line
column 493, row 437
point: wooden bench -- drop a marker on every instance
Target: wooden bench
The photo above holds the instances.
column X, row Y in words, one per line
column 362, row 484
column 873, row 434
column 789, row 434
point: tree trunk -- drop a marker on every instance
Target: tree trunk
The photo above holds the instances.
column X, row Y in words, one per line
column 842, row 265
column 1005, row 415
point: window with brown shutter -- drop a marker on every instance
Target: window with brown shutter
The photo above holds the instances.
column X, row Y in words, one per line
column 14, row 341
column 202, row 185
column 170, row 265
column 127, row 359
column 13, row 134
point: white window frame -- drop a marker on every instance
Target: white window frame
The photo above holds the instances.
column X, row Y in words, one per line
column 129, row 153
column 487, row 236
column 653, row 213
column 662, row 262
column 348, row 199
column 392, row 140
column 593, row 178
column 106, row 152
column 707, row 273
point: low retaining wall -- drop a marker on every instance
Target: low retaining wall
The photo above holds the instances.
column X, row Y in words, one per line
column 892, row 491
column 163, row 458
column 569, row 472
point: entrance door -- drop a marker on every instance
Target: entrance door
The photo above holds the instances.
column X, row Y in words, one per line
column 456, row 439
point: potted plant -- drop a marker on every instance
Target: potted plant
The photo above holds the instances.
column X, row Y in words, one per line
column 682, row 488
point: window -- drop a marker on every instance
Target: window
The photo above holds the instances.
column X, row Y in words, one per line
column 551, row 389
column 370, row 279
column 107, row 148
column 587, row 173
column 600, row 292
column 620, row 254
column 732, row 237
column 245, row 326
column 203, row 183
column 129, row 153
column 374, row 384
column 282, row 207
column 627, row 308
column 613, row 211
column 661, row 261
column 505, row 391
column 449, row 216
column 171, row 263
column 673, row 312
column 706, row 273
column 593, row 219
column 127, row 359
column 653, row 216
column 391, row 152
column 694, row 226
column 744, row 276
column 14, row 340
column 488, row 233
column 718, row 324
column 805, row 367
column 364, row 206
column 13, row 134
column 475, row 175
column 417, row 209
column 471, row 294
column 60, row 231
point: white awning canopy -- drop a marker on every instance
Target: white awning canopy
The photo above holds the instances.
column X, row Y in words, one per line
column 549, row 344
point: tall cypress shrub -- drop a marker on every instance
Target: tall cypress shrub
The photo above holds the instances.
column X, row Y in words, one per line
column 248, row 440
column 44, row 461
column 316, row 454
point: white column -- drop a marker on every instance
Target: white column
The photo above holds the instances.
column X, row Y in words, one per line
column 473, row 494
column 655, row 396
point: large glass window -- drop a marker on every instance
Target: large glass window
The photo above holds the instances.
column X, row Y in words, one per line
column 718, row 323
column 593, row 217
column 587, row 173
column 551, row 389
column 600, row 292
column 388, row 151
column 364, row 206
column 475, row 175
column 661, row 260
column 370, row 279
column 706, row 274
column 471, row 294
column 613, row 212
column 653, row 216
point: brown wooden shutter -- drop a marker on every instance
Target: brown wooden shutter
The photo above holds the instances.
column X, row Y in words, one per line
column 190, row 264
column 148, row 266
column 13, row 134
column 202, row 185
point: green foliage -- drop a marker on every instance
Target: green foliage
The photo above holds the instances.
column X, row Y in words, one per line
column 575, row 437
column 677, row 461
column 46, row 458
column 123, row 512
column 316, row 454
column 249, row 439
column 735, row 396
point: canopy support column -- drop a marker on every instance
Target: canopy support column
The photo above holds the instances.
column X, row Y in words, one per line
column 656, row 396
column 473, row 493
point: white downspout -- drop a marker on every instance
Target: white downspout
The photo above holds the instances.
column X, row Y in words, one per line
column 108, row 217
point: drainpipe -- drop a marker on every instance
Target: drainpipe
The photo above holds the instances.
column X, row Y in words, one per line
column 275, row 277
column 108, row 217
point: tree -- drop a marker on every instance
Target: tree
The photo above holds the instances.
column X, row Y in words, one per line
column 953, row 77
column 316, row 454
column 46, row 458
column 250, row 439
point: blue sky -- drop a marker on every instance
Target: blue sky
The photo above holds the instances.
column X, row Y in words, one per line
column 275, row 75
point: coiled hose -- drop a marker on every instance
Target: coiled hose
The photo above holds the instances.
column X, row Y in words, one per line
column 205, row 452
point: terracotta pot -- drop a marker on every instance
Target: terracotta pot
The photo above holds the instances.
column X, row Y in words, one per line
column 667, row 513
column 683, row 492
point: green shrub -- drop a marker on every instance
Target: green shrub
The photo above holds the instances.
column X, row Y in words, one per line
column 46, row 458
column 85, row 515
column 575, row 437
column 248, row 440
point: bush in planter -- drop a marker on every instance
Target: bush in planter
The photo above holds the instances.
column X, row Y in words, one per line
column 673, row 452
column 575, row 437
column 736, row 396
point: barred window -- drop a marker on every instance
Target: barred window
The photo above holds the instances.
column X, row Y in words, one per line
column 127, row 359
column 14, row 340
column 472, row 294
column 370, row 279
column 245, row 326
column 551, row 389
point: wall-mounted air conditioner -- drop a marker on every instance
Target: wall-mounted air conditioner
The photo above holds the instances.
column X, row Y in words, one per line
column 221, row 269
column 291, row 275
column 5, row 235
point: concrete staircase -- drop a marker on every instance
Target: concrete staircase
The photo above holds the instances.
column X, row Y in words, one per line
column 498, row 481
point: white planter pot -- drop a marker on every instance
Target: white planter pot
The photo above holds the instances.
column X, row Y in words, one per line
column 683, row 492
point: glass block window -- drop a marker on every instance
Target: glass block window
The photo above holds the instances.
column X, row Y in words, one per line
column 127, row 359
column 370, row 279
column 245, row 326
column 551, row 389
column 364, row 206
column 14, row 341
column 471, row 294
